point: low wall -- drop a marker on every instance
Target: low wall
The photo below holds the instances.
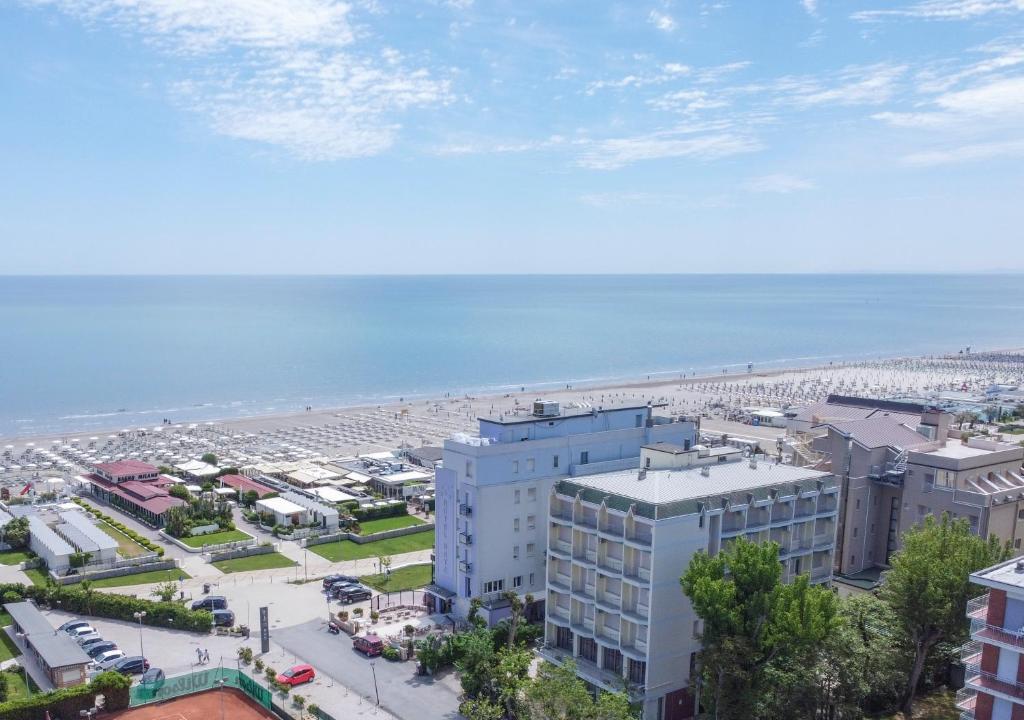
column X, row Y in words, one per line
column 207, row 548
column 372, row 537
column 242, row 552
column 115, row 572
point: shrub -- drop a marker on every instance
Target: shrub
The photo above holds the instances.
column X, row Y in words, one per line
column 271, row 674
column 258, row 665
column 409, row 630
column 374, row 513
column 374, row 615
column 314, row 710
column 245, row 654
column 390, row 653
column 69, row 702
column 343, row 615
column 358, row 612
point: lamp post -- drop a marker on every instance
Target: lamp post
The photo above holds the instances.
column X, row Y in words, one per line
column 138, row 616
column 373, row 669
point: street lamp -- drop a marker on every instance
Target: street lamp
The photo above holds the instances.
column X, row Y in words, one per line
column 138, row 616
column 373, row 669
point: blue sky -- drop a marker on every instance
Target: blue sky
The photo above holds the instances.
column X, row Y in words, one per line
column 318, row 136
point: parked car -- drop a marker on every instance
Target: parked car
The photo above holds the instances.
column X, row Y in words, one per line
column 341, row 587
column 86, row 644
column 106, row 660
column 369, row 645
column 351, row 595
column 73, row 625
column 330, row 580
column 88, row 637
column 133, row 665
column 153, row 678
column 211, row 602
column 81, row 631
column 296, row 675
column 101, row 647
column 223, row 618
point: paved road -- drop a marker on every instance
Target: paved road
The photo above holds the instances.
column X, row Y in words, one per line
column 402, row 692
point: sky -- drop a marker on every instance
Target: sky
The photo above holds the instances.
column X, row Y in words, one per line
column 466, row 136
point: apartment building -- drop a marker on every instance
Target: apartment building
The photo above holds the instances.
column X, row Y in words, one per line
column 994, row 657
column 492, row 492
column 897, row 467
column 619, row 541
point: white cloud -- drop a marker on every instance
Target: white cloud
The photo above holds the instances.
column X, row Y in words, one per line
column 966, row 153
column 615, row 153
column 777, row 183
column 810, row 7
column 288, row 73
column 942, row 10
column 855, row 85
column 994, row 103
column 662, row 21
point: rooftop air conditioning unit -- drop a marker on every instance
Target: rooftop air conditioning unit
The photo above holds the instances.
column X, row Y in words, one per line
column 546, row 408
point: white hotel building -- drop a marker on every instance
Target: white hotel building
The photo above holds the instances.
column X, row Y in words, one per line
column 618, row 542
column 492, row 494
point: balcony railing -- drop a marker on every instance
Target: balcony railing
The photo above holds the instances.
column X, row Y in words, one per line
column 561, row 546
column 639, row 538
column 587, row 591
column 980, row 630
column 991, row 683
column 465, row 509
column 609, row 633
column 465, row 538
column 610, row 563
column 977, row 608
column 637, row 573
column 560, row 582
column 966, row 698
column 465, row 566
column 559, row 611
column 821, row 572
column 824, row 539
column 589, row 521
column 582, row 625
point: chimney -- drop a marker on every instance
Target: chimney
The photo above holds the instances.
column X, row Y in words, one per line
column 939, row 422
column 705, row 470
column 642, row 475
column 753, row 461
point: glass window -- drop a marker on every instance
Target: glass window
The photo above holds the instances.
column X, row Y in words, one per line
column 554, row 461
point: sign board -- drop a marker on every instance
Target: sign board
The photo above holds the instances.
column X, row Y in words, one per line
column 264, row 630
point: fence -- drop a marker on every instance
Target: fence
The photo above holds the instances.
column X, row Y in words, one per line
column 241, row 552
column 200, row 681
column 397, row 598
column 89, row 574
column 362, row 539
column 208, row 548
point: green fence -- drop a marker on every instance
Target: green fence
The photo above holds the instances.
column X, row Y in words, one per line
column 199, row 681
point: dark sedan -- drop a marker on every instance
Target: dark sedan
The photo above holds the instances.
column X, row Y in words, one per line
column 133, row 665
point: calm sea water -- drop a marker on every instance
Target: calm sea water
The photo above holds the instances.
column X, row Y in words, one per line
column 100, row 352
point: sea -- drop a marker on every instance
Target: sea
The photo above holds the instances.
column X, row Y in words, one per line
column 81, row 353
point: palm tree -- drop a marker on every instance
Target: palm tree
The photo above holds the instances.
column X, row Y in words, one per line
column 86, row 586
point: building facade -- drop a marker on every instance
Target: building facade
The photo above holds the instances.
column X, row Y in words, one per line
column 618, row 543
column 994, row 657
column 491, row 494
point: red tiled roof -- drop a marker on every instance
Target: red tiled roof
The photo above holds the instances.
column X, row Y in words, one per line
column 244, row 484
column 125, row 467
column 141, row 490
column 147, row 495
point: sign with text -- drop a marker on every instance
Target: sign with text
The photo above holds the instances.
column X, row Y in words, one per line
column 264, row 630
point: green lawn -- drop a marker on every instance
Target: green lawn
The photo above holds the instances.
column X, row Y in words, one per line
column 391, row 523
column 37, row 576
column 409, row 577
column 126, row 547
column 254, row 562
column 13, row 557
column 16, row 687
column 348, row 550
column 143, row 578
column 224, row 536
column 8, row 649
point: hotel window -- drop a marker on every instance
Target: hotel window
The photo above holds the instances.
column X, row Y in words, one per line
column 554, row 461
column 531, row 579
column 515, row 524
column 639, row 420
column 515, row 552
column 515, row 467
column 613, row 660
column 584, row 457
column 530, row 465
column 531, row 522
column 469, row 468
column 647, row 462
column 531, row 494
column 494, row 586
column 517, row 581
column 857, row 506
column 1016, row 543
column 637, row 671
column 515, row 494
column 855, row 532
column 531, row 549
column 1020, row 514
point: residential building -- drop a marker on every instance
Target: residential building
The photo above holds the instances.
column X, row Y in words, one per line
column 619, row 541
column 994, row 657
column 898, row 467
column 62, row 662
column 491, row 494
column 135, row 487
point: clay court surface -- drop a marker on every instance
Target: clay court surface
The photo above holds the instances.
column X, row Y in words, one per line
column 201, row 706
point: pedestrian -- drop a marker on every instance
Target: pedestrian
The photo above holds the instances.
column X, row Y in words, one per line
column 199, row 656
column 206, row 656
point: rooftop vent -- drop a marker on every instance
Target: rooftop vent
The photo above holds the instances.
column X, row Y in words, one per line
column 753, row 462
column 546, row 408
column 706, row 471
column 1020, row 566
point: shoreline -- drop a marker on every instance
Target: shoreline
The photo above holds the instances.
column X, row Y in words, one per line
column 641, row 386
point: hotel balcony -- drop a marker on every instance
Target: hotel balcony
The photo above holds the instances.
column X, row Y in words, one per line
column 993, row 634
column 582, row 625
column 585, row 592
column 585, row 555
column 560, row 582
column 609, row 602
column 610, row 564
column 465, row 566
column 966, row 699
column 636, row 573
column 561, row 512
column 465, row 509
column 991, row 684
column 558, row 612
column 782, row 516
column 824, row 540
column 640, row 536
column 560, row 548
column 606, row 679
column 608, row 634
column 465, row 539
column 612, row 528
column 977, row 608
column 824, row 572
column 637, row 613
column 586, row 519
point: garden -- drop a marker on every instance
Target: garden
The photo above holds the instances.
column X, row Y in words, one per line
column 268, row 561
column 409, row 577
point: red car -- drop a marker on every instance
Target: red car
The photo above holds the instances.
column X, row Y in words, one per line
column 297, row 675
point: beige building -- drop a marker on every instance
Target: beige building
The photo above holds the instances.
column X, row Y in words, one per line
column 897, row 468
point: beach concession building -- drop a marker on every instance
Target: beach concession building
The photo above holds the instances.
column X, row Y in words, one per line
column 135, row 487
column 59, row 657
column 244, row 484
column 618, row 543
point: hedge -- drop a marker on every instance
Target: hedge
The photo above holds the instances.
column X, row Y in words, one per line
column 114, row 606
column 69, row 702
column 374, row 513
column 141, row 540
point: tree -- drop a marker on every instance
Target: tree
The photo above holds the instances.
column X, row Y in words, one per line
column 516, row 608
column 179, row 490
column 750, row 619
column 927, row 588
column 249, row 498
column 209, row 458
column 86, row 587
column 481, row 709
column 177, row 521
column 165, row 591
column 558, row 694
column 15, row 533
